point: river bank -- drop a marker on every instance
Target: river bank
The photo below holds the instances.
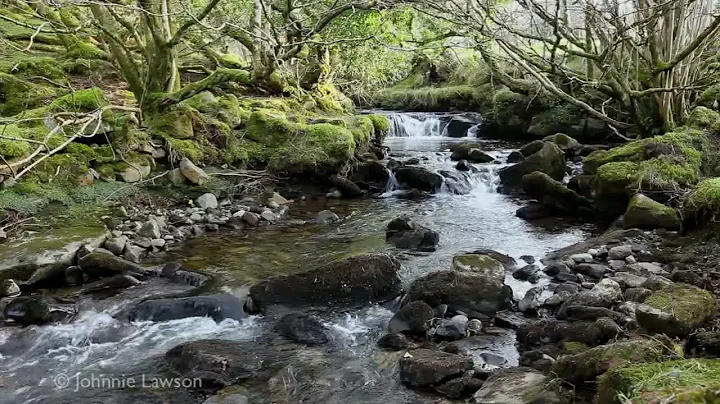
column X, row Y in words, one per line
column 322, row 345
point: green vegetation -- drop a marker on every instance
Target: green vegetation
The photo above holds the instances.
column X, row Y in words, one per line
column 690, row 305
column 705, row 198
column 80, row 101
column 677, row 381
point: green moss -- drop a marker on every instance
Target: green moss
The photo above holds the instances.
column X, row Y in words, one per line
column 13, row 148
column 380, row 122
column 17, row 95
column 40, row 66
column 178, row 123
column 710, row 97
column 429, row 98
column 706, row 197
column 572, row 347
column 664, row 174
column 335, row 143
column 81, row 151
column 704, row 118
column 678, row 381
column 553, row 120
column 203, row 102
column 689, row 304
column 186, row 148
column 229, row 110
column 270, row 129
column 363, row 130
column 82, row 100
column 85, row 50
column 618, row 172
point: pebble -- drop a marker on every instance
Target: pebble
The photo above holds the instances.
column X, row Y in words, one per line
column 207, row 201
column 630, row 260
column 239, row 213
column 582, row 258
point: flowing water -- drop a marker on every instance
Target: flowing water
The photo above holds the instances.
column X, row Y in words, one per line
column 351, row 369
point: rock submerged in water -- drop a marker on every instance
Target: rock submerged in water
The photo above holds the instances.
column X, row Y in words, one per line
column 413, row 318
column 418, row 178
column 215, row 362
column 38, row 310
column 218, row 307
column 405, row 233
column 303, row 329
column 355, row 280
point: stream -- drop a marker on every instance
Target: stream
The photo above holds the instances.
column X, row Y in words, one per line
column 351, row 369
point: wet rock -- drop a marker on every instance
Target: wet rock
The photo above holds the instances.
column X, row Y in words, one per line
column 518, row 385
column 478, row 156
column 549, row 160
column 113, row 284
column 150, row 229
column 588, row 313
column 620, row 252
column 556, row 268
column 533, row 211
column 206, row 201
column 8, row 288
column 480, row 264
column 471, row 293
column 414, row 318
column 187, row 278
column 526, row 272
column 251, row 219
column 676, row 310
column 508, row 262
column 347, row 188
column 588, row 365
column 394, row 342
column 116, row 245
column 227, row 399
column 359, row 279
column 528, row 259
column 459, row 387
column 104, row 263
column 277, row 198
column 531, row 301
column 596, row 271
column 461, row 151
column 303, row 329
column 687, row 276
column 269, row 216
column 215, row 362
column 531, row 148
column 36, row 310
column 74, row 276
column 418, row 178
column 556, row 195
column 566, row 277
column 424, row 367
column 449, row 330
column 463, row 165
column 567, row 144
column 538, row 333
column 515, row 157
column 474, row 326
column 405, row 233
column 704, row 344
column 656, row 282
column 326, row 217
column 637, row 294
column 604, row 294
column 193, row 173
column 645, row 269
column 218, row 307
column 557, row 299
column 643, row 212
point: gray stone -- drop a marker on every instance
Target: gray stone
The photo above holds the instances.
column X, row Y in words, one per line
column 116, row 245
column 158, row 243
column 627, row 280
column 207, row 201
column 424, row 367
column 531, row 301
column 9, row 288
column 268, row 215
column 133, row 253
column 175, row 176
column 630, row 260
column 277, row 199
column 474, row 326
column 197, row 218
column 583, row 258
column 150, row 229
column 449, row 330
column 616, row 265
column 637, row 294
column 517, row 385
column 596, row 271
column 646, row 269
column 620, row 252
column 413, row 318
column 251, row 219
column 195, row 174
column 227, row 399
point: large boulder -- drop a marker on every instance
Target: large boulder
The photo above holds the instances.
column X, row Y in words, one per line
column 472, row 293
column 549, row 160
column 643, row 212
column 29, row 310
column 354, row 280
column 676, row 310
column 215, row 362
column 588, row 365
column 347, row 188
column 403, row 232
column 555, row 195
column 531, row 148
column 461, row 151
column 518, row 385
column 425, row 367
column 570, row 146
column 414, row 318
column 418, row 178
column 218, row 307
column 371, row 174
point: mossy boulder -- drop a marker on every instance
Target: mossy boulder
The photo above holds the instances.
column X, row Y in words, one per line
column 587, row 365
column 479, row 264
column 645, row 213
column 553, row 120
column 270, row 128
column 687, row 381
column 178, row 123
column 704, row 118
column 549, row 160
column 676, row 310
column 566, row 143
column 18, row 95
column 80, row 101
column 705, row 198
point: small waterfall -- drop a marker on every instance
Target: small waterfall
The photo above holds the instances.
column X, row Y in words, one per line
column 416, row 125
